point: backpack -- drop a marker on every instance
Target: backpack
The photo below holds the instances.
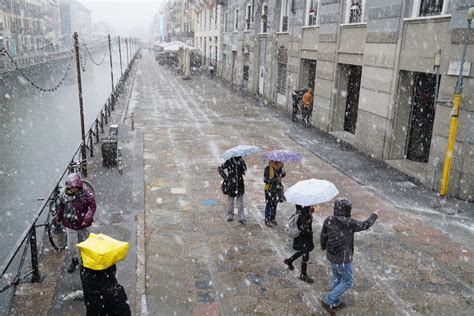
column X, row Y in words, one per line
column 291, row 227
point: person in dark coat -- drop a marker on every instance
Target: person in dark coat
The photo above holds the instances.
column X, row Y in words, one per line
column 76, row 211
column 103, row 295
column 337, row 238
column 303, row 244
column 233, row 186
column 273, row 190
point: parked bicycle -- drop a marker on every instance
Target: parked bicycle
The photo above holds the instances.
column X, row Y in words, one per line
column 297, row 96
column 56, row 231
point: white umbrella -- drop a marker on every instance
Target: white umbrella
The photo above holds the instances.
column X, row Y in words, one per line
column 177, row 47
column 240, row 151
column 165, row 44
column 311, row 192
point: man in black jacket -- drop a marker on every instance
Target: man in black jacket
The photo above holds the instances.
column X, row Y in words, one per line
column 337, row 238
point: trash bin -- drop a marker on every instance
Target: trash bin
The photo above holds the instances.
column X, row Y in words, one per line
column 109, row 152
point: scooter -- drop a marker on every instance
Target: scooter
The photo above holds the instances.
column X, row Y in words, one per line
column 297, row 95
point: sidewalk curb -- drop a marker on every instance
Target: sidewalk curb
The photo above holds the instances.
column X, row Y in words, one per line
column 140, row 299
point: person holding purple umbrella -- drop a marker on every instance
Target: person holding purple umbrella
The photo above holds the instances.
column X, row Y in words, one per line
column 273, row 190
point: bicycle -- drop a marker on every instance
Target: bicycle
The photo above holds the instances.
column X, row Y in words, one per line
column 57, row 231
column 297, row 95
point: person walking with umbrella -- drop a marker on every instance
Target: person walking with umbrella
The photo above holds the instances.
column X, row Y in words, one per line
column 303, row 243
column 273, row 190
column 337, row 238
column 272, row 178
column 233, row 186
column 305, row 194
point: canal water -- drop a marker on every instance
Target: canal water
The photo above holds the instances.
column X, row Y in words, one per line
column 39, row 134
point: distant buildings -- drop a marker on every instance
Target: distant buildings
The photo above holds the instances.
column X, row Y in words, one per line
column 75, row 17
column 176, row 23
column 26, row 25
column 157, row 28
column 207, row 30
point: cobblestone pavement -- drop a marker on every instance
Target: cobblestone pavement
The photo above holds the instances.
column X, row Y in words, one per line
column 197, row 263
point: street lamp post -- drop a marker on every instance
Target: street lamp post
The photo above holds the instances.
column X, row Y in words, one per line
column 455, row 111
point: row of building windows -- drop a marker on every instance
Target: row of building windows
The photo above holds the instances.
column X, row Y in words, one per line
column 208, row 46
column 207, row 20
column 22, row 25
column 355, row 12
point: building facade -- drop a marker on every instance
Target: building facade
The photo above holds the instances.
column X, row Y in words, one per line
column 178, row 21
column 383, row 72
column 157, row 28
column 385, row 94
column 75, row 17
column 29, row 24
column 207, row 29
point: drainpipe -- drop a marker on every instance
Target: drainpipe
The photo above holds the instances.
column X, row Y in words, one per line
column 334, row 98
column 393, row 89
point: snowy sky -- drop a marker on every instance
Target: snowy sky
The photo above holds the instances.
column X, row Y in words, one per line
column 126, row 17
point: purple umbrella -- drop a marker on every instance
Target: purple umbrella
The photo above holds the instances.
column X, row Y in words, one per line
column 283, row 156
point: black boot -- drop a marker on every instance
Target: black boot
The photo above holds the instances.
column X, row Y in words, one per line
column 289, row 263
column 73, row 265
column 303, row 276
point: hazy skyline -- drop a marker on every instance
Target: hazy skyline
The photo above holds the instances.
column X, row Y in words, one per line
column 125, row 17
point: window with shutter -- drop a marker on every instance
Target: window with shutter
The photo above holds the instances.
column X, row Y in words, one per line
column 281, row 79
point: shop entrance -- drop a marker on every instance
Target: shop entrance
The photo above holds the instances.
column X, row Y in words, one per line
column 354, row 74
column 421, row 119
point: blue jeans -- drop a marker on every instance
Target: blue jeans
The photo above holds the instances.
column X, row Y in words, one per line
column 270, row 210
column 341, row 282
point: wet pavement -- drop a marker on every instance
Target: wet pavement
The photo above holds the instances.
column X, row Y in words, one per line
column 197, row 263
column 190, row 261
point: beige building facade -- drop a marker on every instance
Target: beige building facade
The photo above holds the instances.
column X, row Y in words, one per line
column 207, row 30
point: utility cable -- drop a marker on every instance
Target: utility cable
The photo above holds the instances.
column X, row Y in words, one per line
column 92, row 58
column 4, row 52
